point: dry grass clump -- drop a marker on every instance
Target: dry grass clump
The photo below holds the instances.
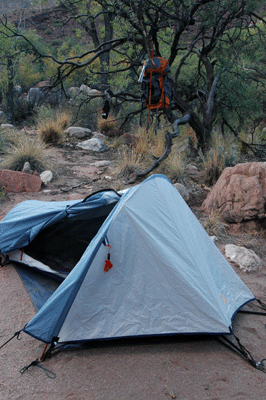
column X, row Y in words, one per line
column 215, row 225
column 63, row 119
column 51, row 124
column 148, row 146
column 248, row 239
column 140, row 157
column 25, row 149
column 175, row 166
column 129, row 160
column 51, row 132
column 222, row 153
column 9, row 136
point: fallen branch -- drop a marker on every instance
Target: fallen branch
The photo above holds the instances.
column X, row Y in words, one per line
column 74, row 187
column 168, row 145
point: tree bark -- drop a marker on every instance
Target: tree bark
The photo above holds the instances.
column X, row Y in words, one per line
column 10, row 90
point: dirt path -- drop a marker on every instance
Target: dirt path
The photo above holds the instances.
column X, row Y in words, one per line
column 75, row 177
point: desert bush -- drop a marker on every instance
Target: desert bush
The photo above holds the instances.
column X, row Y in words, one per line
column 175, row 166
column 51, row 124
column 88, row 113
column 51, row 133
column 148, row 146
column 110, row 126
column 248, row 239
column 223, row 153
column 129, row 160
column 25, row 149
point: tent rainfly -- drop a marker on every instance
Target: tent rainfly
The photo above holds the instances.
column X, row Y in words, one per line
column 136, row 265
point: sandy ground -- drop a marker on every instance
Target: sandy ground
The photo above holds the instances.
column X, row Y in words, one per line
column 192, row 368
column 188, row 369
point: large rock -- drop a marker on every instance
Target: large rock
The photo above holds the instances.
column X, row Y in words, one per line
column 78, row 132
column 38, row 95
column 93, row 145
column 245, row 259
column 240, row 193
column 35, row 97
column 15, row 181
column 100, row 136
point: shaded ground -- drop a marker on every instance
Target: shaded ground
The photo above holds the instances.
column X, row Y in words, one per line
column 187, row 369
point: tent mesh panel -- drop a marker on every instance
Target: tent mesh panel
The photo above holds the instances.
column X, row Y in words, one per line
column 61, row 245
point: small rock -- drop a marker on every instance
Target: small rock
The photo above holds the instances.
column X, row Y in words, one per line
column 93, row 145
column 73, row 91
column 3, row 126
column 188, row 148
column 182, row 190
column 103, row 163
column 46, row 177
column 191, row 167
column 244, row 258
column 214, row 239
column 27, row 168
column 100, row 136
column 108, row 178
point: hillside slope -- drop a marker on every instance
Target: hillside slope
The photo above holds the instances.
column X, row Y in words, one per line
column 7, row 6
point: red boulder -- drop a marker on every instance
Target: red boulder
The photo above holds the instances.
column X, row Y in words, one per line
column 15, row 181
column 240, row 193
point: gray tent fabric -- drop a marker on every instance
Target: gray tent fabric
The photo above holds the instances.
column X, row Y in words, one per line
column 167, row 278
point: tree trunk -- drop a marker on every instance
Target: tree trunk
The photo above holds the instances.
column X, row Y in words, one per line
column 105, row 58
column 10, row 90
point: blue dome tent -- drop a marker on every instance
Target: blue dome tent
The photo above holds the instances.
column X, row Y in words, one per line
column 165, row 275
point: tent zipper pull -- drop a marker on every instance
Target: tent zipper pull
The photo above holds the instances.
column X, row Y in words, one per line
column 108, row 264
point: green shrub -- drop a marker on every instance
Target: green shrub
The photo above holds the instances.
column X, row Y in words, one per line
column 48, row 31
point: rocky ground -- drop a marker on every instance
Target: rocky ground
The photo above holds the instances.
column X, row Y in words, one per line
column 189, row 368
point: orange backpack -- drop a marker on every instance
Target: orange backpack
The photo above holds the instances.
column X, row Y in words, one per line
column 155, row 85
